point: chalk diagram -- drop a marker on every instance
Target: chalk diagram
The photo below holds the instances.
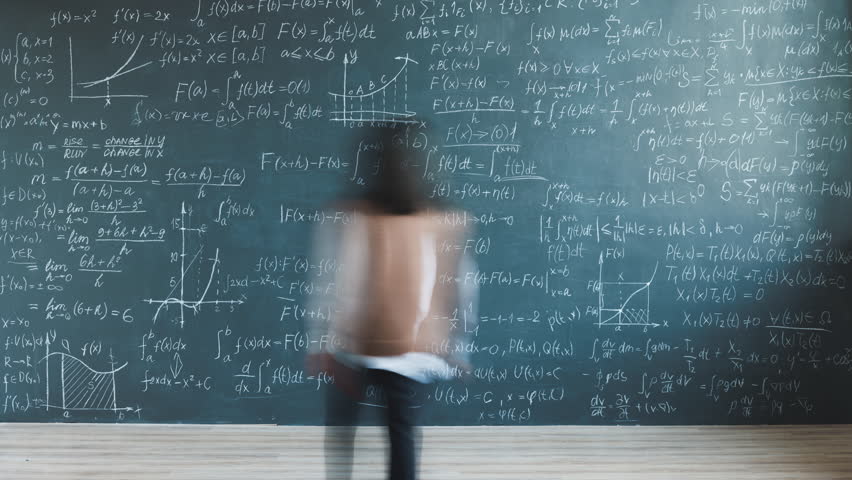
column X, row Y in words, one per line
column 74, row 385
column 181, row 285
column 385, row 102
column 622, row 303
column 104, row 91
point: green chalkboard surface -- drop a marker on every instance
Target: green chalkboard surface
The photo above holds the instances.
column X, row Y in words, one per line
column 659, row 195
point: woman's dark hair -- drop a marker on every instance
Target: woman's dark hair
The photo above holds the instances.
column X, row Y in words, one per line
column 396, row 188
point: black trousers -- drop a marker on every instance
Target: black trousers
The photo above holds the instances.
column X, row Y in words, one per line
column 400, row 407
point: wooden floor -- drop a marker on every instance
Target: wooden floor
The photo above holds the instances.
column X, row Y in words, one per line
column 114, row 452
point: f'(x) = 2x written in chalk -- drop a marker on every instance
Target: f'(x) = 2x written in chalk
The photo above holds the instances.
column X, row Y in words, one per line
column 624, row 303
column 104, row 90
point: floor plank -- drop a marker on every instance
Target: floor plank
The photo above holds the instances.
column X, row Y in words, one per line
column 211, row 452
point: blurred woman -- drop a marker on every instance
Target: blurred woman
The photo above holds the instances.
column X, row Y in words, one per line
column 396, row 292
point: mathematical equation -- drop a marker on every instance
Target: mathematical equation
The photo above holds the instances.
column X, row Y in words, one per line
column 658, row 195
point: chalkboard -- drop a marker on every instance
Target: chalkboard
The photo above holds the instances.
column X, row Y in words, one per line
column 659, row 193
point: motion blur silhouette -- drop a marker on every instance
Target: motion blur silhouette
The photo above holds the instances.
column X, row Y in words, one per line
column 395, row 303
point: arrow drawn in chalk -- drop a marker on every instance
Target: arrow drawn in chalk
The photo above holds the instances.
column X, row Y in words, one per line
column 176, row 366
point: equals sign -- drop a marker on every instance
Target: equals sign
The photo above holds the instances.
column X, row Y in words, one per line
column 56, row 179
column 114, row 313
column 51, row 147
column 96, row 145
column 33, row 306
column 32, row 267
column 155, row 182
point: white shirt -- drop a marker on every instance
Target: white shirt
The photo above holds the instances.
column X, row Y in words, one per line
column 422, row 367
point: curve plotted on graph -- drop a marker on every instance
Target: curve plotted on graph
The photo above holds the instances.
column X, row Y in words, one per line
column 178, row 295
column 386, row 101
column 71, row 384
column 624, row 303
column 107, row 95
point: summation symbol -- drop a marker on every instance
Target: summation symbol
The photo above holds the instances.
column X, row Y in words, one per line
column 622, row 303
column 386, row 101
column 77, row 386
column 180, row 286
column 106, row 82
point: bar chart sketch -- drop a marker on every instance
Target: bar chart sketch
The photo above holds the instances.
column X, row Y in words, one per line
column 382, row 101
